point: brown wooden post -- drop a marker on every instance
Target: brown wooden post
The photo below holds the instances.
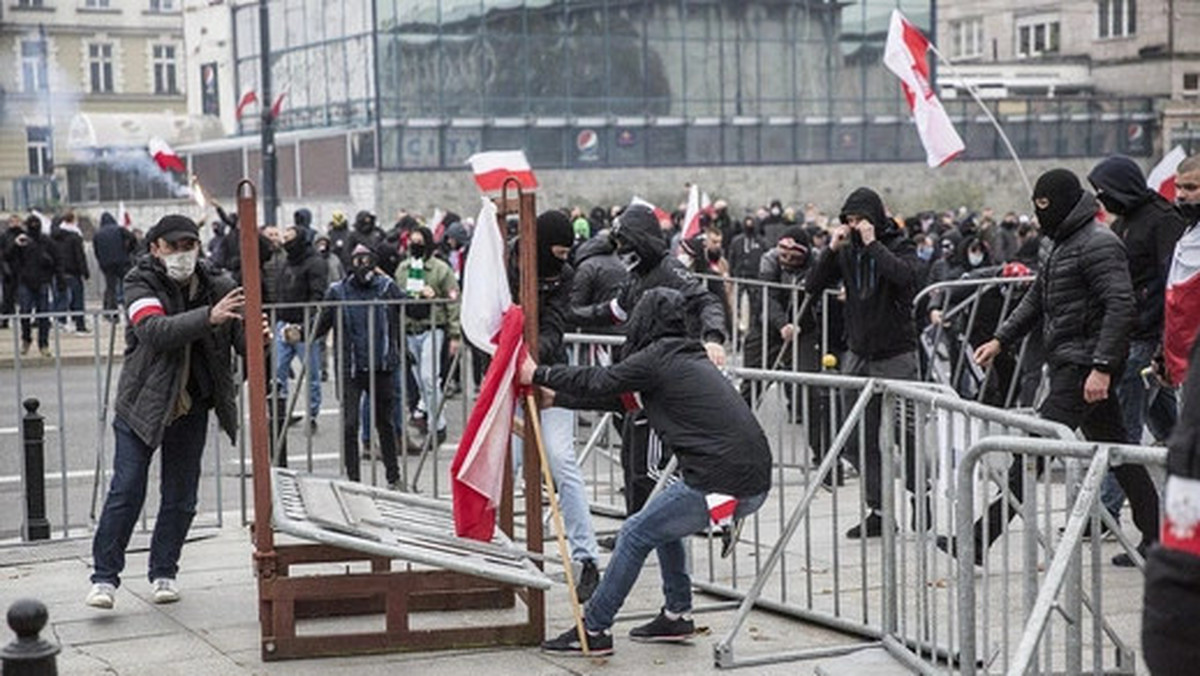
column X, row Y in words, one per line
column 532, row 463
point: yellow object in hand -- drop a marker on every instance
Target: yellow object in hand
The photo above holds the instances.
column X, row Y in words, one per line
column 829, row 361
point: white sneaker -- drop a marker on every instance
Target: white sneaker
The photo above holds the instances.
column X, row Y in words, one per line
column 102, row 595
column 165, row 590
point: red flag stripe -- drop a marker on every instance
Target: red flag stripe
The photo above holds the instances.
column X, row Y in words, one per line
column 493, row 181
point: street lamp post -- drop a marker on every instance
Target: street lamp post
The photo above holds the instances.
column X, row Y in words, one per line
column 269, row 195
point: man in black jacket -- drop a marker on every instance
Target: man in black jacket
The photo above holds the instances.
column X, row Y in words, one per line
column 304, row 279
column 113, row 247
column 34, row 262
column 1084, row 297
column 184, row 322
column 723, row 454
column 1149, row 226
column 642, row 247
column 72, row 271
column 878, row 266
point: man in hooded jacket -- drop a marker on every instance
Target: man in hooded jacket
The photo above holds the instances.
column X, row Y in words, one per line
column 1149, row 226
column 642, row 247
column 1085, row 299
column 878, row 266
column 723, row 453
column 304, row 279
column 113, row 247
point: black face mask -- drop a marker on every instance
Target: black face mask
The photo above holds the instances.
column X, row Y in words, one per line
column 363, row 226
column 1111, row 204
column 714, row 255
column 1190, row 211
column 416, row 249
column 363, row 274
column 294, row 246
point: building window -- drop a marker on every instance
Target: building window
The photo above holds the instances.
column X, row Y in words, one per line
column 1117, row 18
column 33, row 66
column 100, row 67
column 164, row 69
column 162, row 5
column 37, row 147
column 30, row 3
column 1036, row 37
column 1191, row 83
column 96, row 4
column 966, row 38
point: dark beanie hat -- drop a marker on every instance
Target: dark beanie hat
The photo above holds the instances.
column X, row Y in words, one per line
column 553, row 229
column 797, row 234
column 1054, row 196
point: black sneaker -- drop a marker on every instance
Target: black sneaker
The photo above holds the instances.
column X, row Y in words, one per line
column 729, row 537
column 441, row 436
column 567, row 644
column 663, row 629
column 1124, row 560
column 871, row 527
column 607, row 543
column 1106, row 533
column 589, row 579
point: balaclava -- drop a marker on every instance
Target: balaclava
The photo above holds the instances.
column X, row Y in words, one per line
column 553, row 229
column 1055, row 195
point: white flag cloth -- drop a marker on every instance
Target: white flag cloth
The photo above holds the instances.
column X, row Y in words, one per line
column 485, row 295
column 691, row 217
column 904, row 55
column 494, row 167
column 1162, row 176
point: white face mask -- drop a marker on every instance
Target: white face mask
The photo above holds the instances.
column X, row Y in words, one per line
column 975, row 259
column 181, row 264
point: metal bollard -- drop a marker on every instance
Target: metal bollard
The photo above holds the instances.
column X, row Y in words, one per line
column 29, row 655
column 33, row 433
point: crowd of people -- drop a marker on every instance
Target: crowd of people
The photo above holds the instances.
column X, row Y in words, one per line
column 1105, row 327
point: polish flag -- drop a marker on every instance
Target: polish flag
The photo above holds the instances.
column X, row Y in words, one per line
column 492, row 168
column 904, row 55
column 438, row 225
column 485, row 293
column 691, row 217
column 664, row 218
column 1181, row 309
column 249, row 98
column 166, row 158
column 123, row 218
column 493, row 323
column 1162, row 176
column 720, row 508
column 277, row 107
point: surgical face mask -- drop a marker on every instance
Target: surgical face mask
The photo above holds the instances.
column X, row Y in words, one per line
column 630, row 259
column 181, row 264
column 925, row 252
column 975, row 258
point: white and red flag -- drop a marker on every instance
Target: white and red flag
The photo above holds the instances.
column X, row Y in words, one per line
column 123, row 218
column 437, row 224
column 1181, row 515
column 664, row 218
column 905, row 55
column 492, row 168
column 1162, row 176
column 698, row 204
column 247, row 100
column 1181, row 309
column 277, row 107
column 720, row 508
column 163, row 156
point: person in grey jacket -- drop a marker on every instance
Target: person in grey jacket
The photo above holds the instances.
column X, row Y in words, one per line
column 184, row 323
column 1084, row 297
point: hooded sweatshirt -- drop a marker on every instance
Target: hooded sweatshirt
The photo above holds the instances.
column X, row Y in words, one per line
column 880, row 280
column 1149, row 226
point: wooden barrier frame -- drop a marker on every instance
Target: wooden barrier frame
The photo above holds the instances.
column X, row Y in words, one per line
column 283, row 598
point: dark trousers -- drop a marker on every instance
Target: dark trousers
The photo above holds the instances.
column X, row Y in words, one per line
column 8, row 295
column 353, row 387
column 68, row 297
column 808, row 354
column 35, row 300
column 114, row 288
column 183, row 446
column 869, row 462
column 1099, row 421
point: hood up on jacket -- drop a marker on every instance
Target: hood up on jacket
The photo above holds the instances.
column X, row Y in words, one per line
column 596, row 246
column 637, row 230
column 1120, row 184
column 658, row 314
column 107, row 220
column 866, row 202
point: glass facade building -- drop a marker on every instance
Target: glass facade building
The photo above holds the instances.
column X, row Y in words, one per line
column 614, row 83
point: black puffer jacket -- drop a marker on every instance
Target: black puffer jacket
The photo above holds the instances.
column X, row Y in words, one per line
column 1149, row 226
column 304, row 279
column 599, row 274
column 639, row 230
column 720, row 445
column 113, row 246
column 164, row 330
column 68, row 244
column 1084, row 293
column 880, row 281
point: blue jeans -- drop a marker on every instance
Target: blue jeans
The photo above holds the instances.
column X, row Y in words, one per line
column 285, row 352
column 35, row 300
column 426, row 348
column 69, row 298
column 183, row 446
column 675, row 513
column 558, row 430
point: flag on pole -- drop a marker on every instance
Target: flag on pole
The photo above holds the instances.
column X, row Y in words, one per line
column 691, row 217
column 166, row 158
column 485, row 294
column 437, row 225
column 492, row 168
column 905, row 55
column 278, row 105
column 123, row 218
column 248, row 99
column 1162, row 176
column 664, row 218
column 491, row 322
